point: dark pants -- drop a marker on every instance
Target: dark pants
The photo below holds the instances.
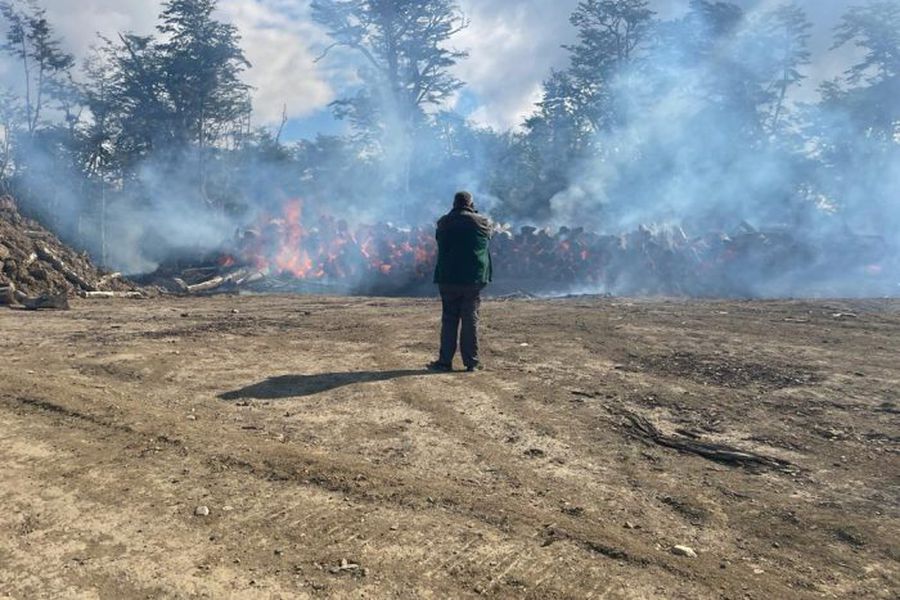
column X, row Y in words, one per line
column 460, row 307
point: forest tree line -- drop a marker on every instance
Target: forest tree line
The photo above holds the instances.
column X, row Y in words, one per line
column 689, row 120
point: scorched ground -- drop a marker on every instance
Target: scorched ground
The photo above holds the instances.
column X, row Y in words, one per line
column 762, row 435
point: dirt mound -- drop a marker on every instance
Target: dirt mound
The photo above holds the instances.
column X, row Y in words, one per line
column 34, row 262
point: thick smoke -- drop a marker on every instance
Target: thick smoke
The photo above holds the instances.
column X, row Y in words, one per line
column 687, row 159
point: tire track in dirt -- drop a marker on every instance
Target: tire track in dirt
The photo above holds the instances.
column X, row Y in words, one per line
column 507, row 515
column 526, row 516
column 69, row 418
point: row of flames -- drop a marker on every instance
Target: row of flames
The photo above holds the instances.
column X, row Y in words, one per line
column 332, row 250
column 664, row 260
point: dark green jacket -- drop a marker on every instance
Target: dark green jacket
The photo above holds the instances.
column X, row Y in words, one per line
column 464, row 256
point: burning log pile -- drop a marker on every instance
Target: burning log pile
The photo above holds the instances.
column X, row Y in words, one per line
column 38, row 271
column 284, row 254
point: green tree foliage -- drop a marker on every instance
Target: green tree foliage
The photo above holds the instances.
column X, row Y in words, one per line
column 869, row 89
column 40, row 112
column 406, row 57
column 785, row 34
column 581, row 103
column 201, row 64
column 46, row 69
column 178, row 100
column 612, row 35
column 856, row 128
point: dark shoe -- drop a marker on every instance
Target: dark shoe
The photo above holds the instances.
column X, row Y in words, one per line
column 439, row 367
column 475, row 367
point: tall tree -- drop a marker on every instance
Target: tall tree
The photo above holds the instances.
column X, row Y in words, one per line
column 787, row 37
column 582, row 105
column 175, row 99
column 46, row 68
column 201, row 64
column 407, row 60
column 874, row 28
column 611, row 36
column 856, row 128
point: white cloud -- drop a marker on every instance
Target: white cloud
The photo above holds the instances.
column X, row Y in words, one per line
column 512, row 45
column 78, row 22
column 284, row 71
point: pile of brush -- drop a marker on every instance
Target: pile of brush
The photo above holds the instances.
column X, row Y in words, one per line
column 37, row 270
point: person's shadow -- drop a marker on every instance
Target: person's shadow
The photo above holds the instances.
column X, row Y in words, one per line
column 294, row 386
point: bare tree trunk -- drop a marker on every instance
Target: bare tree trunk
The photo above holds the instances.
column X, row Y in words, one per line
column 7, row 148
column 104, row 247
column 27, row 70
column 39, row 101
column 284, row 120
column 779, row 106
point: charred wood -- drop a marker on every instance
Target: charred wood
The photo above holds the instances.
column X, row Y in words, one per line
column 721, row 453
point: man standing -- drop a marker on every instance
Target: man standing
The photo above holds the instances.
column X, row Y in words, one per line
column 463, row 269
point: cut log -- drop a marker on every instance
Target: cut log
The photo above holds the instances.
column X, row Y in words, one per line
column 8, row 295
column 110, row 295
column 59, row 301
column 235, row 278
column 721, row 453
column 251, row 278
column 208, row 285
column 74, row 278
column 30, row 260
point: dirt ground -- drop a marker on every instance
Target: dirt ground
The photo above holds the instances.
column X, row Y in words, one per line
column 763, row 435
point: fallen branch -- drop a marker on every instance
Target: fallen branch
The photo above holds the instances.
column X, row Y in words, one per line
column 721, row 453
column 10, row 296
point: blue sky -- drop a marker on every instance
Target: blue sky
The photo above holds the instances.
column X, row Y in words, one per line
column 513, row 44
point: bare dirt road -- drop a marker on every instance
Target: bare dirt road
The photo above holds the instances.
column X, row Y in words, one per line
column 764, row 436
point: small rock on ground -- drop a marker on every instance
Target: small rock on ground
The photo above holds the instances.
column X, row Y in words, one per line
column 684, row 551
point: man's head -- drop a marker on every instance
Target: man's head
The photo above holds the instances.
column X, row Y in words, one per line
column 463, row 200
